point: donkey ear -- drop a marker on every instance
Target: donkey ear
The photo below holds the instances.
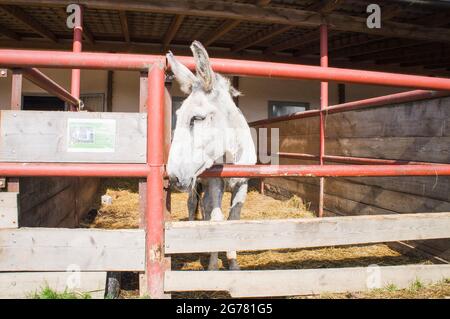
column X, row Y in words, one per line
column 202, row 66
column 183, row 75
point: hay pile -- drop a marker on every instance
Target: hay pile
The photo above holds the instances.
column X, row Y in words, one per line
column 123, row 213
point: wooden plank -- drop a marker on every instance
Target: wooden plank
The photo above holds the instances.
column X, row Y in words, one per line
column 206, row 236
column 56, row 249
column 9, row 210
column 52, row 211
column 386, row 199
column 25, row 284
column 434, row 187
column 427, row 149
column 265, row 283
column 36, row 136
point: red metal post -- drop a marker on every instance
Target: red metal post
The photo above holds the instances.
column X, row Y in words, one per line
column 77, row 47
column 323, row 106
column 155, row 192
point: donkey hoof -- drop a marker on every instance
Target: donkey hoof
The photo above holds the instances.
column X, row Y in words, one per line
column 233, row 265
column 213, row 267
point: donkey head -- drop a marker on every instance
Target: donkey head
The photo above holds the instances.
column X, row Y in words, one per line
column 208, row 125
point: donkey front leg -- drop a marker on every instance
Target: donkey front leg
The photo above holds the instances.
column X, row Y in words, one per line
column 238, row 195
column 213, row 202
column 194, row 200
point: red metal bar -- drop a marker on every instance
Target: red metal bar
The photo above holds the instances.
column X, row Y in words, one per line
column 403, row 97
column 77, row 47
column 299, row 71
column 69, row 169
column 46, row 83
column 140, row 170
column 325, row 170
column 84, row 60
column 323, row 106
column 352, row 160
column 13, row 183
column 113, row 61
column 155, row 191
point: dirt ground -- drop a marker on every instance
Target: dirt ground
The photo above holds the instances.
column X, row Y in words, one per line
column 123, row 213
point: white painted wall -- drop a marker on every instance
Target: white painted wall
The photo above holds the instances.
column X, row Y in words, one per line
column 254, row 102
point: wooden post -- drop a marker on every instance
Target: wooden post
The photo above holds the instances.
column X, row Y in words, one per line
column 16, row 104
column 109, row 91
column 341, row 93
column 143, row 90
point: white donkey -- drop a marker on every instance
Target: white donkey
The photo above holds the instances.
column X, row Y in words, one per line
column 209, row 129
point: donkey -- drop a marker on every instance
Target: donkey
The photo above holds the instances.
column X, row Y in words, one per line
column 210, row 130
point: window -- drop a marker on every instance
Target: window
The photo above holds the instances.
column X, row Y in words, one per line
column 42, row 103
column 281, row 108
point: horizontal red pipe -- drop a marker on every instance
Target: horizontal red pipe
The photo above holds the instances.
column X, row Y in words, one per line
column 71, row 60
column 46, row 83
column 78, row 169
column 352, row 159
column 142, row 170
column 298, row 71
column 89, row 60
column 403, row 97
column 326, row 170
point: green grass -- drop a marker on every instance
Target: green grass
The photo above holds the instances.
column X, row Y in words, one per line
column 49, row 293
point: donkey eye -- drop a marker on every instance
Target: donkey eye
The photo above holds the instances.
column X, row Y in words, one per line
column 196, row 118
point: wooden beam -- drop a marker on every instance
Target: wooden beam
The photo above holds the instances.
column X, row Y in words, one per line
column 322, row 7
column 303, row 40
column 271, row 283
column 109, row 90
column 263, row 3
column 261, row 36
column 255, row 13
column 194, row 237
column 173, row 29
column 26, row 19
column 9, row 33
column 224, row 28
column 22, row 285
column 55, row 249
column 9, row 210
column 361, row 53
column 87, row 33
column 124, row 24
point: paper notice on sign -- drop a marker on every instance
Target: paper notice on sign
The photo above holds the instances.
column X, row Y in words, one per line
column 91, row 135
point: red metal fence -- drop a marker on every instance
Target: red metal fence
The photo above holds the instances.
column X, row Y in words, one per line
column 153, row 170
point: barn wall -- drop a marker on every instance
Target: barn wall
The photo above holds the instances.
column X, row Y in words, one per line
column 56, row 201
column 417, row 131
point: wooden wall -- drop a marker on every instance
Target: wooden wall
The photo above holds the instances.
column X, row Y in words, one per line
column 418, row 131
column 56, row 201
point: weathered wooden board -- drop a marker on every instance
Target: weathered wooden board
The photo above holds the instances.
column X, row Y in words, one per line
column 425, row 149
column 57, row 249
column 436, row 187
column 9, row 210
column 26, row 284
column 264, row 283
column 205, row 236
column 382, row 198
column 51, row 211
column 37, row 136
